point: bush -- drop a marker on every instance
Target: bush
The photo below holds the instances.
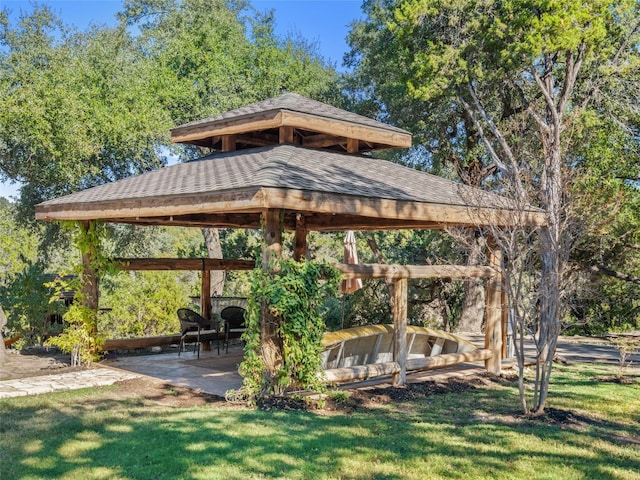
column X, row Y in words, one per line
column 141, row 304
column 29, row 298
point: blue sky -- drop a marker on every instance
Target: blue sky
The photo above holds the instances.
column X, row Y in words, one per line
column 323, row 22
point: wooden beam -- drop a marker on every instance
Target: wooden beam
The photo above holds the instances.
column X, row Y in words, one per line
column 383, row 209
column 322, row 140
column 379, row 270
column 146, row 342
column 361, row 372
column 271, row 345
column 184, row 264
column 400, row 330
column 315, row 222
column 272, row 234
column 205, row 129
column 222, row 220
column 387, row 137
column 493, row 311
column 328, row 222
column 381, row 135
column 246, row 200
column 375, row 370
column 256, row 199
column 90, row 288
column 504, row 306
column 446, row 359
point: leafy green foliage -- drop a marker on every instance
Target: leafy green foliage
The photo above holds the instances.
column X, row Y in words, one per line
column 207, row 62
column 80, row 336
column 292, row 295
column 79, row 109
column 18, row 245
column 28, row 298
column 141, row 304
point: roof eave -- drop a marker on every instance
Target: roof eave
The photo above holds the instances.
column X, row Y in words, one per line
column 193, row 133
column 258, row 199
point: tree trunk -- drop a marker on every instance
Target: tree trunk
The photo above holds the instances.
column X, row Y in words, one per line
column 373, row 245
column 474, row 292
column 214, row 248
column 550, row 278
column 3, row 322
column 91, row 299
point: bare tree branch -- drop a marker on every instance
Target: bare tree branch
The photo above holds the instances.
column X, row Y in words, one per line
column 602, row 270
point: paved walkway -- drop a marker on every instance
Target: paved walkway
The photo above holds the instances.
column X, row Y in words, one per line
column 95, row 377
column 215, row 374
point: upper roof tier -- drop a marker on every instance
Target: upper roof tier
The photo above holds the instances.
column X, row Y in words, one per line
column 291, row 119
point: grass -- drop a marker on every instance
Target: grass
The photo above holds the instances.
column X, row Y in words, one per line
column 476, row 434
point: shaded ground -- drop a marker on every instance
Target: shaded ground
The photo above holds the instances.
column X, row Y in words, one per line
column 34, row 362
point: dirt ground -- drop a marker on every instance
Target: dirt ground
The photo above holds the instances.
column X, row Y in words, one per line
column 33, row 362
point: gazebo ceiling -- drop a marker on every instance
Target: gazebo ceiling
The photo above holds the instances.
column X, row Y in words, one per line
column 332, row 191
column 294, row 119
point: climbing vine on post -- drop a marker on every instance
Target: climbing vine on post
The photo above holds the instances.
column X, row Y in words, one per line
column 80, row 337
column 293, row 293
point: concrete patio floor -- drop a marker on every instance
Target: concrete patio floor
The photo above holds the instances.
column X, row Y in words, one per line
column 211, row 373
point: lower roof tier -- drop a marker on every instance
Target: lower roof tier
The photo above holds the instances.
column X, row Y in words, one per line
column 331, row 191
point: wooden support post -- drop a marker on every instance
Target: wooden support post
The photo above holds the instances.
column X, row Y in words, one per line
column 505, row 316
column 90, row 289
column 286, row 135
column 229, row 143
column 353, row 145
column 205, row 302
column 493, row 311
column 300, row 241
column 400, row 330
column 205, row 294
column 272, row 236
column 271, row 346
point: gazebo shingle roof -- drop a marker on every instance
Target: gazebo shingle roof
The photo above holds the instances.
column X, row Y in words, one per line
column 317, row 125
column 295, row 103
column 246, row 181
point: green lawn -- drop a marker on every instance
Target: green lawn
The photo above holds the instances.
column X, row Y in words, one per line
column 475, row 434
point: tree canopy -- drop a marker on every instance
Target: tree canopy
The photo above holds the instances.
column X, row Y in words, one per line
column 528, row 97
column 78, row 110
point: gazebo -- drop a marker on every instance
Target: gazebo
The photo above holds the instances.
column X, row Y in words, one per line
column 296, row 164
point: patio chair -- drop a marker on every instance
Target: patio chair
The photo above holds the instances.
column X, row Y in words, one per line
column 233, row 318
column 191, row 321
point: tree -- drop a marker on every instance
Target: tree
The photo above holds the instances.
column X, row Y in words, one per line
column 79, row 109
column 18, row 245
column 3, row 322
column 553, row 61
column 447, row 142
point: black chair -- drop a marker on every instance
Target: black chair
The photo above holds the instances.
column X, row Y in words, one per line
column 191, row 321
column 233, row 318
